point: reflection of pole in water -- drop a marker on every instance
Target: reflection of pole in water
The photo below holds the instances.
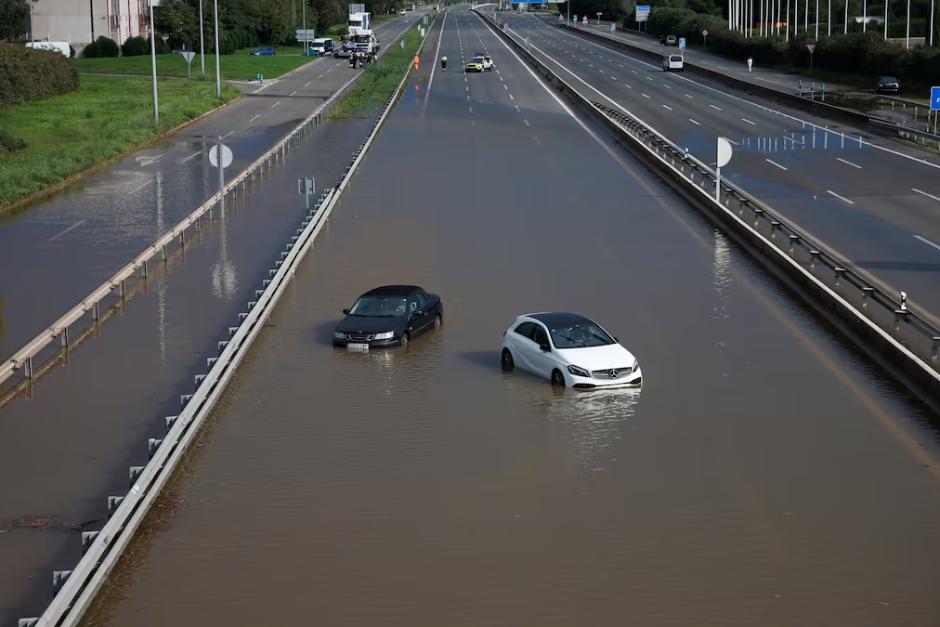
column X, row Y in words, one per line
column 224, row 275
column 161, row 293
column 1, row 320
column 721, row 275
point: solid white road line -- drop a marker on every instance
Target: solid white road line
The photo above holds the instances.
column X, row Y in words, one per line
column 694, row 122
column 192, row 156
column 923, row 193
column 437, row 54
column 254, row 117
column 61, row 233
column 923, row 239
column 774, row 163
column 854, row 165
column 749, row 122
column 842, row 198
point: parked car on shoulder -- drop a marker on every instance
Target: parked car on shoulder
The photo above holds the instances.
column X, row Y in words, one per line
column 668, row 40
column 673, row 62
column 262, row 52
column 889, row 85
column 323, row 46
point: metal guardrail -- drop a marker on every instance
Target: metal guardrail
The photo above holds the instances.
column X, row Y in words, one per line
column 117, row 283
column 796, row 99
column 76, row 588
column 869, row 312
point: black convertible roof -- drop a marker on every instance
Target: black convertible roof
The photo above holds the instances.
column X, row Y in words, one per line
column 393, row 290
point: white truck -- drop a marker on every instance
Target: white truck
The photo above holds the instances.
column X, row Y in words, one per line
column 359, row 21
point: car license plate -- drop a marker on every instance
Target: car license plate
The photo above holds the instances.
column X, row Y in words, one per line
column 357, row 348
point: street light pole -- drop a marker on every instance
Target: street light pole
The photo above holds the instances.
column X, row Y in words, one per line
column 218, row 77
column 845, row 29
column 829, row 18
column 886, row 20
column 153, row 67
column 864, row 16
column 907, row 37
column 931, row 23
column 817, row 20
column 202, row 46
column 304, row 11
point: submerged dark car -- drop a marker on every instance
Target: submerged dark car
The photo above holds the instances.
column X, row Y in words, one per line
column 888, row 85
column 387, row 316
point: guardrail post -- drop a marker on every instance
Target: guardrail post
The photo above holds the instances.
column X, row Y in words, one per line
column 27, row 622
column 64, row 337
column 813, row 258
column 935, row 349
column 96, row 311
column 774, row 227
column 165, row 256
column 866, row 295
column 143, row 269
column 113, row 503
column 839, row 274
column 152, row 445
column 758, row 212
column 59, row 577
column 900, row 314
column 122, row 289
column 133, row 473
column 793, row 240
column 87, row 538
column 168, row 422
column 28, row 369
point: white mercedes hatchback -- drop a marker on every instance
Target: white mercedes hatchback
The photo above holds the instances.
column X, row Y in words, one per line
column 568, row 350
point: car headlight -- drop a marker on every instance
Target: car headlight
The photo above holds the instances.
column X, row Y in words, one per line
column 579, row 372
column 636, row 366
column 339, row 336
column 387, row 335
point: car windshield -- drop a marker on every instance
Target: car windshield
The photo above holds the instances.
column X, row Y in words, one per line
column 582, row 334
column 379, row 306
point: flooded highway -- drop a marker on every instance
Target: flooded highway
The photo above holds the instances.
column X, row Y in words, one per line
column 767, row 473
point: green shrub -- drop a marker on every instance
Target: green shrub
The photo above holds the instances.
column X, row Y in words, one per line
column 101, row 47
column 135, row 47
column 9, row 143
column 27, row 74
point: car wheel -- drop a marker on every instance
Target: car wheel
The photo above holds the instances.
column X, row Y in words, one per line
column 506, row 361
column 404, row 339
column 558, row 379
column 438, row 321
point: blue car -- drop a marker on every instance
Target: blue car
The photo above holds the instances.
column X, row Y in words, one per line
column 262, row 52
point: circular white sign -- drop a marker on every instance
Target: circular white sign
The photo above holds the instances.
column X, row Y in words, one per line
column 704, row 33
column 226, row 156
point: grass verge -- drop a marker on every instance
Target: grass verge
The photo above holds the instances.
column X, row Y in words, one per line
column 380, row 79
column 238, row 66
column 107, row 116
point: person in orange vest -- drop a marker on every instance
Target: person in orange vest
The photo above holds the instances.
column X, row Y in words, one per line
column 417, row 62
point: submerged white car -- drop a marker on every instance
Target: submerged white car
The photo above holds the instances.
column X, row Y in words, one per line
column 569, row 350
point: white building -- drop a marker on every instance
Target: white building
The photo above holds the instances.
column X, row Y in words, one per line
column 80, row 22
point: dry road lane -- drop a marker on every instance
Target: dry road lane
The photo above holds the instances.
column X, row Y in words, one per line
column 765, row 474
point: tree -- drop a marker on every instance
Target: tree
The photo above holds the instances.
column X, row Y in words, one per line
column 14, row 19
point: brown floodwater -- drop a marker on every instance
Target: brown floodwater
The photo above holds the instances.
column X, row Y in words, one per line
column 766, row 473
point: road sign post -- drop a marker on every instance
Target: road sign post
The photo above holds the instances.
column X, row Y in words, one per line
column 811, row 47
column 306, row 187
column 935, row 106
column 724, row 156
column 682, row 43
column 188, row 56
column 221, row 164
column 704, row 38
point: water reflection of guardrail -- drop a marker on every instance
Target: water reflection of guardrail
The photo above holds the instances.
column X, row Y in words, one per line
column 908, row 344
column 116, row 286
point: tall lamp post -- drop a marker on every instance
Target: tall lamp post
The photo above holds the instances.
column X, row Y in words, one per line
column 153, row 67
column 218, row 78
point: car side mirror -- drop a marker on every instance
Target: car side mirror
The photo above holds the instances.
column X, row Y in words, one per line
column 346, row 312
column 545, row 348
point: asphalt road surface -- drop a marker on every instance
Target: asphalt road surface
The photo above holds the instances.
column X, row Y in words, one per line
column 871, row 201
column 766, row 474
column 63, row 247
